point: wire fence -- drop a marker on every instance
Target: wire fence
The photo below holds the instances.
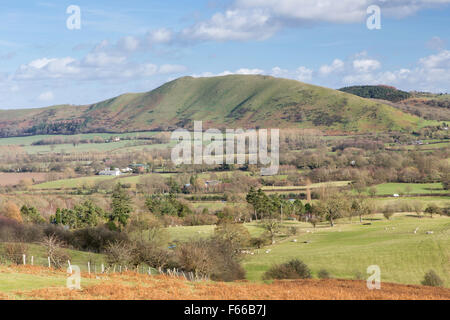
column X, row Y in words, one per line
column 98, row 268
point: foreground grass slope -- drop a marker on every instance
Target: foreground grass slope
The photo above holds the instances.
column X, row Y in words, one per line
column 50, row 285
column 229, row 101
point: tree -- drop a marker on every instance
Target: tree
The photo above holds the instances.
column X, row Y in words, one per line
column 11, row 211
column 234, row 235
column 121, row 207
column 272, row 226
column 433, row 209
column 446, row 179
column 333, row 207
column 252, row 200
column 31, row 215
column 299, row 209
column 372, row 191
column 360, row 207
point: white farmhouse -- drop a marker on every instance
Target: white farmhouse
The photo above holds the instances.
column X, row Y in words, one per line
column 108, row 172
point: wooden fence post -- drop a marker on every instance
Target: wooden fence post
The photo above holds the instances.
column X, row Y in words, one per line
column 49, row 264
column 89, row 267
column 24, row 260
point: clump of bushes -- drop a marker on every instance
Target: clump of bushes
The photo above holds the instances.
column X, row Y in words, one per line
column 14, row 252
column 432, row 279
column 54, row 249
column 214, row 258
column 324, row 274
column 294, row 269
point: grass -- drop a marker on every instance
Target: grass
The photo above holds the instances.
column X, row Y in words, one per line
column 409, row 188
column 404, row 257
column 347, row 249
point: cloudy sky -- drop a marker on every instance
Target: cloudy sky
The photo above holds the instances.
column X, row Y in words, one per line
column 137, row 45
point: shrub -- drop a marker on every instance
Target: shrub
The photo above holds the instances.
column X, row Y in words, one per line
column 359, row 275
column 119, row 253
column 432, row 279
column 200, row 220
column 58, row 257
column 96, row 239
column 12, row 211
column 151, row 255
column 294, row 269
column 214, row 258
column 324, row 274
column 14, row 252
column 259, row 242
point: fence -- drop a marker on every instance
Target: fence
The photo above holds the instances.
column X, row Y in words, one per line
column 96, row 268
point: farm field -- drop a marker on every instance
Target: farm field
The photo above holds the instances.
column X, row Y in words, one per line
column 10, row 179
column 349, row 248
column 409, row 188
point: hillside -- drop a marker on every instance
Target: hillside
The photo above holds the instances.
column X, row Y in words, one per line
column 35, row 283
column 378, row 92
column 230, row 101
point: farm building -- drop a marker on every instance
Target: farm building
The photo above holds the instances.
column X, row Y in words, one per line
column 108, row 172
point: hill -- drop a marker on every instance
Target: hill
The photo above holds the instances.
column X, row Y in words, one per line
column 378, row 92
column 231, row 101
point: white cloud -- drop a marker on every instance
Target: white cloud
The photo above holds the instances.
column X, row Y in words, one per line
column 366, row 65
column 103, row 59
column 233, row 25
column 304, row 74
column 158, row 36
column 46, row 96
column 336, row 66
column 128, row 43
column 342, row 11
column 48, row 68
column 242, row 71
column 437, row 61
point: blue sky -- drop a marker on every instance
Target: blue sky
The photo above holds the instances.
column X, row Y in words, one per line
column 137, row 45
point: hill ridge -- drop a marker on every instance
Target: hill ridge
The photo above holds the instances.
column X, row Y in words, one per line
column 232, row 101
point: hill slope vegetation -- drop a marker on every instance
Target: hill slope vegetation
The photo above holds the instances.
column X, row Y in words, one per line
column 235, row 101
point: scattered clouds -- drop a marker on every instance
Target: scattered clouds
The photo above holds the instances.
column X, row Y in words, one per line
column 46, row 96
column 232, row 25
column 366, row 65
column 336, row 66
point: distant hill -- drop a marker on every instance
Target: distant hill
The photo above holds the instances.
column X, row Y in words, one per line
column 236, row 101
column 378, row 92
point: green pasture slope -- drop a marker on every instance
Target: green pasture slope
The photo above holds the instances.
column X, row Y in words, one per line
column 349, row 248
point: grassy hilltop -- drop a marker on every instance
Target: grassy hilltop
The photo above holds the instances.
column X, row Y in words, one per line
column 229, row 101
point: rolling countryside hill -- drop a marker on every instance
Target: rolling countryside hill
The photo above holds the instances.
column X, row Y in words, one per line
column 237, row 101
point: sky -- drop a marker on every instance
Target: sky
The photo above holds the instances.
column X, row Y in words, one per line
column 84, row 51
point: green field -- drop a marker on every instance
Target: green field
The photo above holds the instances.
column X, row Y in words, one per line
column 347, row 249
column 409, row 188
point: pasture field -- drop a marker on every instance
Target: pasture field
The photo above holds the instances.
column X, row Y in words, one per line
column 349, row 248
column 26, row 143
column 331, row 184
column 409, row 188
column 441, row 202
